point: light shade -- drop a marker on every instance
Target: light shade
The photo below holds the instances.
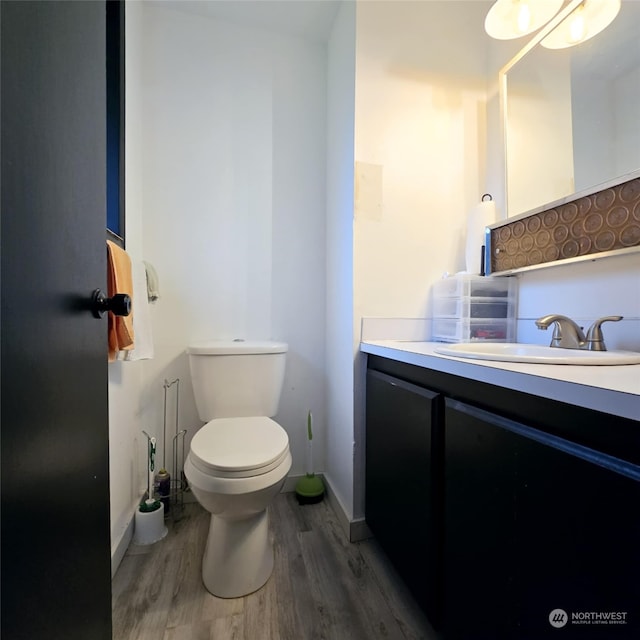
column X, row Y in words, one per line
column 589, row 19
column 508, row 19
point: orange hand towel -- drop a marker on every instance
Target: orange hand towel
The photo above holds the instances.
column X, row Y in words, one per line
column 119, row 280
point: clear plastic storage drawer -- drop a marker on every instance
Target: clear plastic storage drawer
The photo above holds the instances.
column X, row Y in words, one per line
column 467, row 308
column 472, row 307
column 468, row 286
column 471, row 330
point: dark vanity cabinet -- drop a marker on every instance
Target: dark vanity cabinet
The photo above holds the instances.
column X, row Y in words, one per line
column 533, row 506
column 403, row 453
column 535, row 523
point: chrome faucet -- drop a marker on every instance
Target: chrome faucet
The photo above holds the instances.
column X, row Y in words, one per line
column 568, row 335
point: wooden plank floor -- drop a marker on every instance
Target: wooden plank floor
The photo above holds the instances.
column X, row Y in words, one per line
column 322, row 587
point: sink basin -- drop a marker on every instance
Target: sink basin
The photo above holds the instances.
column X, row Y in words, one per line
column 536, row 354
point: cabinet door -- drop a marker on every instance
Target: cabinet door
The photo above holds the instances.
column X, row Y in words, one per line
column 534, row 523
column 479, row 529
column 402, row 470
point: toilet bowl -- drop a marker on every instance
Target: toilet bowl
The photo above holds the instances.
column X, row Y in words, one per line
column 237, row 463
column 236, row 483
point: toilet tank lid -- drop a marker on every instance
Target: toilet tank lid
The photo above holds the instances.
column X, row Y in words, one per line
column 231, row 347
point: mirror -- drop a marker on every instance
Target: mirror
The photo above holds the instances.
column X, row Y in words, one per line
column 570, row 116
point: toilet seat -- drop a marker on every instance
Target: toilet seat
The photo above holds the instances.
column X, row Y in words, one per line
column 239, row 447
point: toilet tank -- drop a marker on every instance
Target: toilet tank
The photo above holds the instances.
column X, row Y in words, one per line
column 233, row 379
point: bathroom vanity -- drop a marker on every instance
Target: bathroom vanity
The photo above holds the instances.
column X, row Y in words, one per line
column 502, row 493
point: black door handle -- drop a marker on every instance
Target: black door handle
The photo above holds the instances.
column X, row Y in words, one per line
column 119, row 304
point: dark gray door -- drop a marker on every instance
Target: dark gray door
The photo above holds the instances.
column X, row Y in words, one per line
column 55, row 485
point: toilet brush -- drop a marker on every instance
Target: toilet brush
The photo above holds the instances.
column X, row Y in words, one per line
column 150, row 503
column 310, row 488
column 149, row 518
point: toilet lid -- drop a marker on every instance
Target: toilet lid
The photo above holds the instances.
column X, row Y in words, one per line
column 239, row 445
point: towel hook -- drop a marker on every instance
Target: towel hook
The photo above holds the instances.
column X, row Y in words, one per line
column 119, row 304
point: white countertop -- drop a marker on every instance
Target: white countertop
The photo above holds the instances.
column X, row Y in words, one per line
column 611, row 389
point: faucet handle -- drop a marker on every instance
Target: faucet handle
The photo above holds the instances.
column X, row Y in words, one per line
column 595, row 339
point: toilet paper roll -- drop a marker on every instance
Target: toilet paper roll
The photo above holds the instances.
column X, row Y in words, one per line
column 483, row 214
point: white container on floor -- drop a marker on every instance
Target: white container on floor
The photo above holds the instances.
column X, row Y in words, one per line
column 149, row 526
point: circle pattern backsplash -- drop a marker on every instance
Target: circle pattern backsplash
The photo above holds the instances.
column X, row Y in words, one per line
column 603, row 221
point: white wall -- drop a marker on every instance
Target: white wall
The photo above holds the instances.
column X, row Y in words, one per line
column 233, row 153
column 340, row 339
column 420, row 118
column 225, row 188
column 127, row 445
column 421, row 92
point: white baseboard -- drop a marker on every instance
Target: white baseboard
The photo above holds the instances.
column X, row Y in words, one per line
column 122, row 544
column 360, row 530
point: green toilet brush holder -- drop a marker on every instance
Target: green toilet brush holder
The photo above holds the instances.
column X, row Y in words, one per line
column 310, row 488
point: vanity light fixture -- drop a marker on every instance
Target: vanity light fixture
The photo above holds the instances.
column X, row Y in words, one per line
column 589, row 19
column 508, row 19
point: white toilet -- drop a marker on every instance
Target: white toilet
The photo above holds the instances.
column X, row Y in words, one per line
column 239, row 460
